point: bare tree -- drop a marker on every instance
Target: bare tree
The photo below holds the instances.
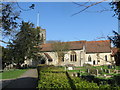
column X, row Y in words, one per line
column 115, row 6
column 60, row 48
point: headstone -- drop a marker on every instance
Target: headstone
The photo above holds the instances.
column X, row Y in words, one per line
column 88, row 70
column 101, row 69
column 104, row 75
column 108, row 71
column 96, row 72
column 105, row 70
column 70, row 68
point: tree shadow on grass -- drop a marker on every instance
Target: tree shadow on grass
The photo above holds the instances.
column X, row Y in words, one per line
column 72, row 85
column 21, row 83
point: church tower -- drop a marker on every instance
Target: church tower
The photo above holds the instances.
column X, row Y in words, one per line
column 42, row 31
column 43, row 35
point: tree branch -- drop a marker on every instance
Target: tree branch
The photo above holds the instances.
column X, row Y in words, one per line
column 86, row 7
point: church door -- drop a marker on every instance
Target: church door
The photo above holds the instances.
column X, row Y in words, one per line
column 94, row 62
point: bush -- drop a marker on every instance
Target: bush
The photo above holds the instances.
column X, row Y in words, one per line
column 56, row 77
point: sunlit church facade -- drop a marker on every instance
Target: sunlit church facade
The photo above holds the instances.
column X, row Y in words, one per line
column 80, row 53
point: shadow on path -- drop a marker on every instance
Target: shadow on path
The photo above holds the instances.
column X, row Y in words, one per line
column 25, row 82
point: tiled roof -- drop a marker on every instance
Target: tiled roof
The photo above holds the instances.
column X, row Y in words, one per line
column 90, row 46
column 98, row 46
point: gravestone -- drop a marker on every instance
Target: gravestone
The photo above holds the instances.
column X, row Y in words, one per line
column 70, row 68
column 104, row 70
column 88, row 70
column 96, row 72
column 101, row 69
column 108, row 71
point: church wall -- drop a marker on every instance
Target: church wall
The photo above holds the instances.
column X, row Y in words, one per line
column 79, row 55
column 99, row 58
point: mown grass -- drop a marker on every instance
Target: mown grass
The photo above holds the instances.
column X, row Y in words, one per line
column 11, row 74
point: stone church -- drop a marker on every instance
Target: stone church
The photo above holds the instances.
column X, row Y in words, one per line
column 79, row 53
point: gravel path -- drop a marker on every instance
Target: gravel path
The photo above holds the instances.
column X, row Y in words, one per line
column 26, row 80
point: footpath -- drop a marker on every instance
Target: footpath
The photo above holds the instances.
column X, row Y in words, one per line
column 26, row 80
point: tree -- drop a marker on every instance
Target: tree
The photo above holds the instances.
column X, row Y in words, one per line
column 60, row 48
column 116, row 42
column 26, row 42
column 9, row 17
column 6, row 57
column 115, row 5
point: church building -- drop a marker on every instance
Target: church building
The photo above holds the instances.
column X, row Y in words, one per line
column 79, row 53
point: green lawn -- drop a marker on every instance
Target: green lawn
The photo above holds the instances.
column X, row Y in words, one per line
column 12, row 73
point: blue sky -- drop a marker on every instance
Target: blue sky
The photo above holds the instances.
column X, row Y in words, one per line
column 57, row 19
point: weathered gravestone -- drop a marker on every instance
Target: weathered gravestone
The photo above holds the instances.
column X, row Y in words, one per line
column 70, row 68
column 96, row 72
column 88, row 70
column 108, row 71
column 104, row 70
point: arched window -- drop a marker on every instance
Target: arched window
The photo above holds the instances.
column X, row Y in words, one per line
column 73, row 56
column 105, row 57
column 89, row 58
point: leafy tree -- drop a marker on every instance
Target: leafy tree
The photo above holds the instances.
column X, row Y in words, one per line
column 116, row 7
column 116, row 41
column 6, row 57
column 59, row 48
column 9, row 17
column 26, row 42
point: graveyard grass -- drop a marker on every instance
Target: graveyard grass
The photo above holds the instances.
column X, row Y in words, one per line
column 84, row 69
column 93, row 67
column 59, row 78
column 11, row 74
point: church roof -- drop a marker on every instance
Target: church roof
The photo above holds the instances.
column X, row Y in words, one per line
column 90, row 46
column 98, row 46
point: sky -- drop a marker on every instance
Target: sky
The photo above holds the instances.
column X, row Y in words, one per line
column 57, row 19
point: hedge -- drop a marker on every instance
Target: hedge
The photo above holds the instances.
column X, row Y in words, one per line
column 51, row 77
